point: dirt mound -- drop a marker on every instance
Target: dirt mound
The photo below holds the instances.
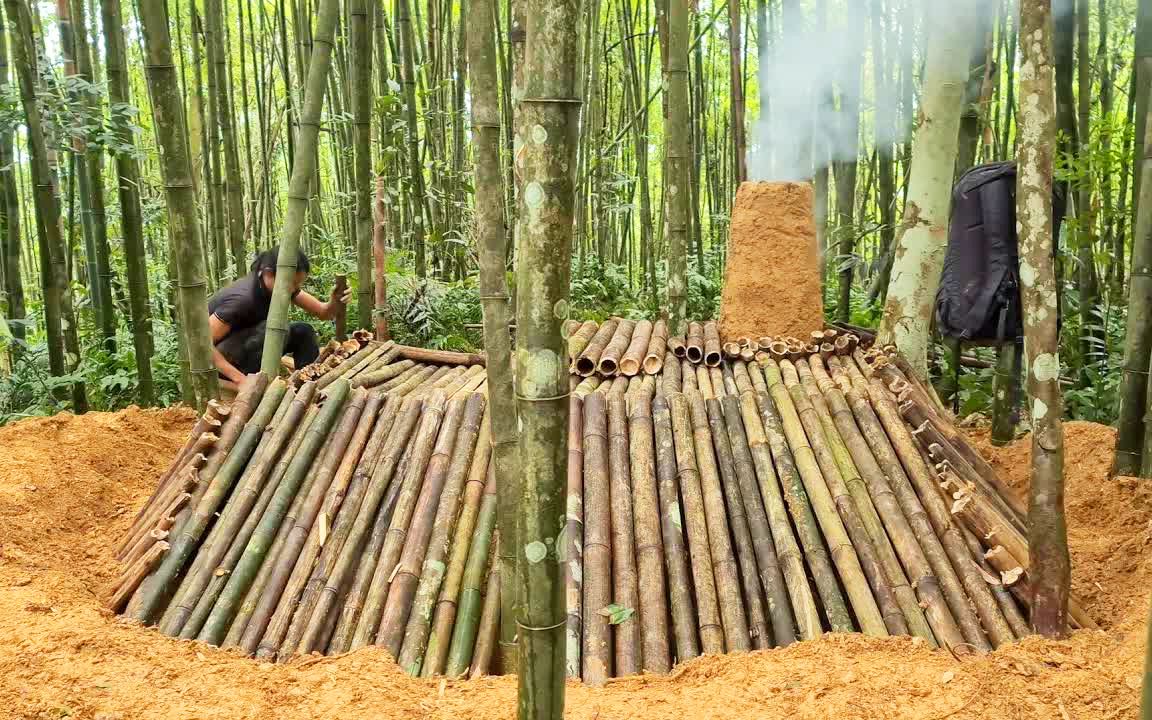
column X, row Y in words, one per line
column 772, row 274
column 69, row 486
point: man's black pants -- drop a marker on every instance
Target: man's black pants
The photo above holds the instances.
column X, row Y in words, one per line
column 244, row 347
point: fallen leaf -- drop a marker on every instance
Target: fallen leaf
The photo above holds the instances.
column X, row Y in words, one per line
column 947, row 677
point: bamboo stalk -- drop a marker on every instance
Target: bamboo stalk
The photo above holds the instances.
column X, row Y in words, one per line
column 707, row 600
column 579, row 340
column 735, row 622
column 694, row 346
column 609, row 363
column 482, row 553
column 447, row 605
column 799, row 506
column 422, row 447
column 848, row 444
column 425, row 586
column 633, row 357
column 489, row 622
column 670, row 380
column 625, row 578
column 405, row 379
column 383, row 375
column 758, row 627
column 712, row 356
column 768, row 565
column 818, row 471
column 803, row 604
column 687, row 644
column 573, row 557
column 182, row 484
column 138, row 550
column 134, row 575
column 657, row 346
column 384, row 355
column 258, row 545
column 156, row 589
column 678, row 346
column 731, row 350
column 441, row 357
column 991, row 617
column 597, row 645
column 346, row 364
column 587, row 361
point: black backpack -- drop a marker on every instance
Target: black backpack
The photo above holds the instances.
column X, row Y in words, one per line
column 979, row 295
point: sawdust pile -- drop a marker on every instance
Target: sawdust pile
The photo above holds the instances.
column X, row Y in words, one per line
column 772, row 274
column 69, row 486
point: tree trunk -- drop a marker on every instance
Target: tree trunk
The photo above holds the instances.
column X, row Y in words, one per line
column 303, row 169
column 1049, row 575
column 1092, row 347
column 736, row 93
column 183, row 225
column 1133, row 389
column 417, row 196
column 919, row 255
column 549, row 126
column 228, row 177
column 13, row 290
column 59, row 319
column 128, row 185
column 364, row 189
column 677, row 156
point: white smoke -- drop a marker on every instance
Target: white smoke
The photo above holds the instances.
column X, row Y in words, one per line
column 807, row 66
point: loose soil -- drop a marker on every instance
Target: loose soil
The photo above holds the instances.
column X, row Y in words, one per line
column 69, row 486
column 772, row 275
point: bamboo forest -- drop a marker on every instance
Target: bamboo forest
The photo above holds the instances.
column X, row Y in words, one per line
column 576, row 358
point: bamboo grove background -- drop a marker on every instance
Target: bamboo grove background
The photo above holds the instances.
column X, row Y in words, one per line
column 240, row 66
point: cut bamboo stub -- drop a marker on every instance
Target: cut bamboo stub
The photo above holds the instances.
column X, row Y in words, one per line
column 709, row 509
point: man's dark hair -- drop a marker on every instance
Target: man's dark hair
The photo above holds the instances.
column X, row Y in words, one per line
column 266, row 260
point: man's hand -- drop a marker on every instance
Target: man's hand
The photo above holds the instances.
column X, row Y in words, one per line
column 341, row 298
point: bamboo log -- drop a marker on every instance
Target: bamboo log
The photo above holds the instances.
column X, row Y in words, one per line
column 588, row 360
column 822, row 479
column 657, row 346
column 579, row 339
column 656, row 655
column 761, row 636
column 134, row 575
column 802, row 605
column 422, row 448
column 710, row 625
column 625, row 578
column 633, row 357
column 991, row 617
column 670, row 380
column 405, row 380
column 920, row 572
column 146, row 541
column 377, row 350
column 735, row 622
column 799, row 506
column 472, row 600
column 180, row 485
column 408, row 624
column 731, row 350
column 687, row 644
column 694, row 347
column 678, row 346
column 767, row 563
column 609, row 363
column 274, row 608
column 712, row 356
column 847, row 444
column 573, row 557
column 489, row 623
column 349, row 361
column 156, row 589
column 597, row 644
column 383, row 375
column 257, row 548
column 441, row 357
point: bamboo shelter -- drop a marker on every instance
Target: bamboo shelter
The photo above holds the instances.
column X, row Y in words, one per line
column 722, row 497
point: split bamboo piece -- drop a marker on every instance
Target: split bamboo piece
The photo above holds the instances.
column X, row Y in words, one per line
column 822, row 479
column 579, row 339
column 657, row 346
column 633, row 357
column 799, row 505
column 687, row 644
column 588, row 360
column 849, row 444
column 694, row 347
column 712, row 356
column 573, row 557
column 609, row 363
column 597, row 644
column 656, row 656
